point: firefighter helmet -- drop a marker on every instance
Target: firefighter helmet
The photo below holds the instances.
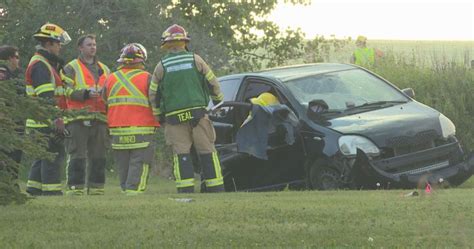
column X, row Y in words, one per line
column 265, row 99
column 133, row 53
column 52, row 32
column 174, row 33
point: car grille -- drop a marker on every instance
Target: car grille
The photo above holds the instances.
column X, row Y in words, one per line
column 405, row 144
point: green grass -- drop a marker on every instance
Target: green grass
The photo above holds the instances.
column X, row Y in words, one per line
column 306, row 219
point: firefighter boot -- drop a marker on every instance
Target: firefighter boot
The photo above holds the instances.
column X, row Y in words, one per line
column 96, row 177
column 76, row 169
column 211, row 169
column 183, row 173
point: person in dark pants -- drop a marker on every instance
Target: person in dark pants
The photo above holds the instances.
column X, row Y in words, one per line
column 84, row 78
column 43, row 80
column 9, row 70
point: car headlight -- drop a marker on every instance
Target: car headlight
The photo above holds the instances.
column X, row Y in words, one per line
column 349, row 145
column 447, row 127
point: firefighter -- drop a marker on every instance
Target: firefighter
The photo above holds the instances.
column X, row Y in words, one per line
column 86, row 123
column 130, row 118
column 181, row 85
column 364, row 56
column 43, row 80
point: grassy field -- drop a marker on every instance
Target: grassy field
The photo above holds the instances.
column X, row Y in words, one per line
column 306, row 219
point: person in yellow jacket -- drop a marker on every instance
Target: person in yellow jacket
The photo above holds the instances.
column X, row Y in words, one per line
column 181, row 88
column 364, row 56
column 43, row 80
column 84, row 78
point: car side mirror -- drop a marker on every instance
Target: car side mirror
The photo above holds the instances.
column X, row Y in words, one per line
column 409, row 92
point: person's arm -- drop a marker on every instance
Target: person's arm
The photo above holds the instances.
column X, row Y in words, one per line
column 68, row 75
column 212, row 82
column 42, row 82
column 154, row 93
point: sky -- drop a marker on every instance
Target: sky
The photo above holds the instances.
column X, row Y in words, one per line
column 381, row 19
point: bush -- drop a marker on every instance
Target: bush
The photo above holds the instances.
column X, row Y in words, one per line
column 445, row 86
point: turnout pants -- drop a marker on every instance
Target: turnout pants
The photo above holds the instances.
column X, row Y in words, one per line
column 44, row 176
column 86, row 148
column 182, row 137
column 134, row 163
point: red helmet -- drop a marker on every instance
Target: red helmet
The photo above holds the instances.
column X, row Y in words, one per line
column 174, row 33
column 132, row 53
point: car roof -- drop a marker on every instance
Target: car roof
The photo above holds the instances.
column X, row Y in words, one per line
column 297, row 71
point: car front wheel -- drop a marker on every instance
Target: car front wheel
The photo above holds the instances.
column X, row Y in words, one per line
column 324, row 178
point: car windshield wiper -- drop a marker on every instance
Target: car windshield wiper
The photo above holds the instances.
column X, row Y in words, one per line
column 376, row 104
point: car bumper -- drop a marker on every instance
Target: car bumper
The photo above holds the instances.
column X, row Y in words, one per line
column 445, row 163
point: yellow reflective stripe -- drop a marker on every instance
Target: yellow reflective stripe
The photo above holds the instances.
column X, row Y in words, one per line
column 156, row 111
column 59, row 91
column 132, row 130
column 217, row 164
column 52, row 187
column 96, row 115
column 117, row 86
column 38, row 57
column 217, row 169
column 130, row 192
column 178, row 59
column 33, row 184
column 130, row 146
column 176, row 172
column 143, row 178
column 218, row 97
column 75, row 192
column 126, row 100
column 131, row 88
column 46, row 87
column 214, row 182
column 68, row 81
column 80, row 79
column 104, row 68
column 30, row 91
column 185, row 183
column 184, row 110
column 154, row 86
column 68, row 91
column 210, row 75
column 33, row 124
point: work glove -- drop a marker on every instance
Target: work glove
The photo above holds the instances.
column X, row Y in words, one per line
column 59, row 126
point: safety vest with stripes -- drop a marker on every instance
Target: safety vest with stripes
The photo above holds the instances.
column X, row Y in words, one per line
column 84, row 79
column 364, row 56
column 127, row 100
column 56, row 85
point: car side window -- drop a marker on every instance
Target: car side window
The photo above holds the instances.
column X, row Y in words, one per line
column 229, row 88
column 254, row 89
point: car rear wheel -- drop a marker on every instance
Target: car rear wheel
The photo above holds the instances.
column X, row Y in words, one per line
column 324, row 178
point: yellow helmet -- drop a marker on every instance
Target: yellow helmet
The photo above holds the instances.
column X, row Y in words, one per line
column 361, row 39
column 265, row 99
column 52, row 32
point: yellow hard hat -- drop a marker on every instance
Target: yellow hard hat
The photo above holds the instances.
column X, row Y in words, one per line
column 361, row 38
column 53, row 32
column 265, row 99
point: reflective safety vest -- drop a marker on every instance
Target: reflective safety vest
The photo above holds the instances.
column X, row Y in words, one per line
column 84, row 79
column 185, row 93
column 127, row 99
column 55, row 85
column 130, row 116
column 364, row 56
